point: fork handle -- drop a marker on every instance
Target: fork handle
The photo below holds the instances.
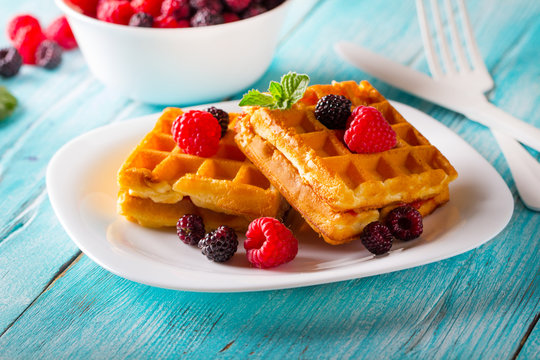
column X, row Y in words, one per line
column 489, row 115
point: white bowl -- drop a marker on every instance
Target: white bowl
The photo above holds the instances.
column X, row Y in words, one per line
column 178, row 66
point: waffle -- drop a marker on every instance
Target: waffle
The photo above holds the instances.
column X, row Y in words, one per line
column 159, row 183
column 336, row 191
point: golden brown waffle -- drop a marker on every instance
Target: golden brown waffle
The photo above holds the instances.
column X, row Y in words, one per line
column 158, row 172
column 336, row 191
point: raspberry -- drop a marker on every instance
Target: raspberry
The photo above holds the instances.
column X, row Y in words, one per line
column 115, row 11
column 206, row 17
column 237, row 5
column 60, row 32
column 369, row 132
column 152, row 7
column 221, row 116
column 219, row 245
column 10, row 62
column 179, row 9
column 48, row 54
column 212, row 5
column 190, row 229
column 333, row 111
column 27, row 41
column 269, row 243
column 141, row 19
column 377, row 238
column 170, row 22
column 253, row 10
column 87, row 7
column 197, row 133
column 230, row 17
column 19, row 22
column 405, row 222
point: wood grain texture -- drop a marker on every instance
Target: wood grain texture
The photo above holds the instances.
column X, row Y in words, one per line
column 56, row 303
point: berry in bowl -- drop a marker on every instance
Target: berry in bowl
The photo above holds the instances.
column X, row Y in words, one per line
column 176, row 51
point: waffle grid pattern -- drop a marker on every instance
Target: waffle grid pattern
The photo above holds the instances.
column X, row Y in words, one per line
column 227, row 182
column 413, row 170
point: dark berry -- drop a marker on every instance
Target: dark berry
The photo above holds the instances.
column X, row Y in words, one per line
column 219, row 245
column 221, row 116
column 10, row 62
column 405, row 222
column 270, row 4
column 377, row 238
column 212, row 5
column 253, row 10
column 141, row 19
column 206, row 17
column 48, row 54
column 333, row 111
column 190, row 229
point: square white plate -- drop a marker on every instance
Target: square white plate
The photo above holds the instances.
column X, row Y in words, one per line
column 81, row 181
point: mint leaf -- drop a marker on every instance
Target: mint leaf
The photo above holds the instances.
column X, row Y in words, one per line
column 295, row 85
column 8, row 103
column 256, row 98
column 282, row 95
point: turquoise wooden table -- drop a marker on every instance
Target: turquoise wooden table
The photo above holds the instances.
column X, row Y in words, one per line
column 57, row 303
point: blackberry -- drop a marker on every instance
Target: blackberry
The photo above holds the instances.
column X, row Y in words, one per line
column 190, row 229
column 221, row 116
column 219, row 245
column 253, row 10
column 333, row 111
column 141, row 19
column 377, row 238
column 270, row 4
column 405, row 223
column 206, row 17
column 213, row 5
column 48, row 54
column 10, row 62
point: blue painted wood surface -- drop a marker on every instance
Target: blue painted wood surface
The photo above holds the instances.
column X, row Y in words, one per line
column 57, row 303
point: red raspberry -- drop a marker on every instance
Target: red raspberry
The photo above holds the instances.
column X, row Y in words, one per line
column 27, row 41
column 87, row 7
column 19, row 22
column 152, row 7
column 369, row 132
column 170, row 22
column 197, row 133
column 230, row 17
column 269, row 243
column 115, row 11
column 179, row 9
column 238, row 5
column 60, row 32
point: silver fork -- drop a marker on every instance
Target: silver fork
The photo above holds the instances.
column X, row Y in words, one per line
column 473, row 79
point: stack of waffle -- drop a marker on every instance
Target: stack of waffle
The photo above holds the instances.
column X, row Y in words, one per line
column 159, row 183
column 336, row 191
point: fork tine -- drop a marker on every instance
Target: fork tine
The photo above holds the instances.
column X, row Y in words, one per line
column 429, row 48
column 441, row 38
column 476, row 57
column 456, row 41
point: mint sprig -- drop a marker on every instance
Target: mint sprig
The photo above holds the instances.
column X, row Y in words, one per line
column 281, row 95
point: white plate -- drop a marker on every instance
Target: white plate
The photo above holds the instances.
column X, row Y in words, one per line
column 81, row 180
